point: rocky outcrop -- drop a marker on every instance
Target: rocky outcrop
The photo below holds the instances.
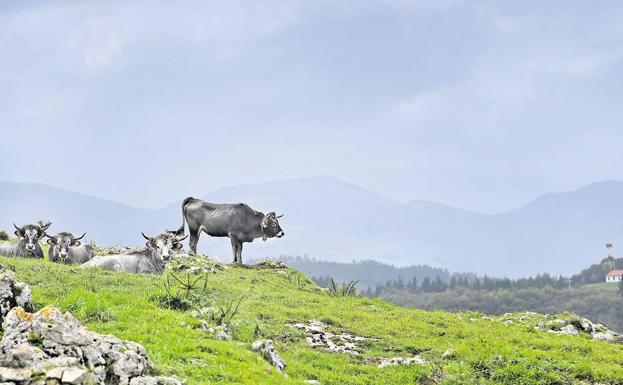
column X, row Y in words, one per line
column 194, row 264
column 206, row 315
column 49, row 347
column 267, row 349
column 319, row 337
column 219, row 332
column 12, row 293
column 270, row 264
column 394, row 361
column 565, row 324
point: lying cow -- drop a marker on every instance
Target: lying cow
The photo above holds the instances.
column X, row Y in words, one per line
column 238, row 221
column 65, row 248
column 27, row 244
column 149, row 260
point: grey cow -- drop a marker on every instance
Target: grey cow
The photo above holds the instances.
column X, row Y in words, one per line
column 65, row 248
column 238, row 221
column 27, row 244
column 148, row 260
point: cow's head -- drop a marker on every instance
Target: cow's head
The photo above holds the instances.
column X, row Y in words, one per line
column 164, row 245
column 270, row 226
column 61, row 242
column 30, row 234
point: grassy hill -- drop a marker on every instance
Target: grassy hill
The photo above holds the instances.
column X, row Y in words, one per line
column 486, row 352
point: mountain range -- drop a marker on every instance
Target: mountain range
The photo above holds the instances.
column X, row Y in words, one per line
column 329, row 219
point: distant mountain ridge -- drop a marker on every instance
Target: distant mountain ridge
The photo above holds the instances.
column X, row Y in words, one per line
column 330, row 219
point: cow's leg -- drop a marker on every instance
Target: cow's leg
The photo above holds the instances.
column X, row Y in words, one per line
column 240, row 253
column 235, row 244
column 194, row 238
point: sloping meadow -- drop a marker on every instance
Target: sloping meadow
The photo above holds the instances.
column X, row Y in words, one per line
column 200, row 327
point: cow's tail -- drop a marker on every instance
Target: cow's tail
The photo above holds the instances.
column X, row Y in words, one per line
column 180, row 231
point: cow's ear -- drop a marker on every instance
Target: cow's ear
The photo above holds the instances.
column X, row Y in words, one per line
column 19, row 233
column 150, row 244
column 75, row 243
column 177, row 246
column 51, row 241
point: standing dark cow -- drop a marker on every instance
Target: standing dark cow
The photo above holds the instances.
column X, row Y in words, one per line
column 28, row 243
column 238, row 221
column 65, row 248
column 149, row 260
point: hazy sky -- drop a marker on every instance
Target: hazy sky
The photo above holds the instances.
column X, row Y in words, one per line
column 481, row 105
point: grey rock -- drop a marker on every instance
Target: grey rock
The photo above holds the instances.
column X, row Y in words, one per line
column 75, row 375
column 15, row 374
column 55, row 373
column 53, row 347
column 270, row 264
column 219, row 332
column 568, row 330
column 13, row 293
column 267, row 349
column 608, row 336
column 587, row 325
column 143, row 381
column 393, row 361
column 448, row 354
column 319, row 337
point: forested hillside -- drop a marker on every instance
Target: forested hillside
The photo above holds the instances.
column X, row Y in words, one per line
column 584, row 293
column 368, row 273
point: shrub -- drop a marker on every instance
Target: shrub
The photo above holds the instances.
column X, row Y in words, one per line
column 183, row 294
column 223, row 313
column 4, row 236
column 346, row 289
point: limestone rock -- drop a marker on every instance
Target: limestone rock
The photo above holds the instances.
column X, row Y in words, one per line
column 270, row 264
column 13, row 293
column 568, row 330
column 194, row 264
column 608, row 336
column 393, row 361
column 219, row 332
column 267, row 349
column 448, row 354
column 318, row 336
column 52, row 347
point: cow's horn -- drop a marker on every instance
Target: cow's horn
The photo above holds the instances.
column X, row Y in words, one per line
column 279, row 216
column 145, row 236
column 16, row 226
column 47, row 235
column 180, row 239
column 82, row 236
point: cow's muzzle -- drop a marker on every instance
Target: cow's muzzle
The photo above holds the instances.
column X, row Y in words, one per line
column 280, row 234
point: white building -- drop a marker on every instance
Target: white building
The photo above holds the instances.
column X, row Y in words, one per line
column 614, row 276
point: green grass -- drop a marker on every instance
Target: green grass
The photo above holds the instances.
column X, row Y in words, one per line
column 605, row 287
column 486, row 352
